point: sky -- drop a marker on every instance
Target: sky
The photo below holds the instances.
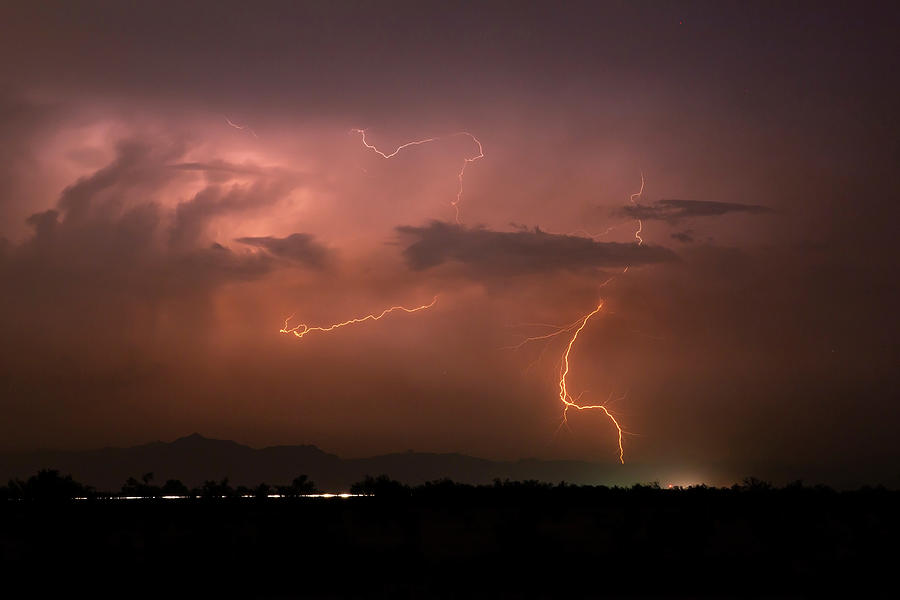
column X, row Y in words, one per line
column 177, row 179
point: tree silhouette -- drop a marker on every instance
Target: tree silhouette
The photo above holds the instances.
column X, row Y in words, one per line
column 304, row 486
column 382, row 486
column 142, row 488
column 48, row 486
column 752, row 484
column 211, row 489
column 262, row 491
column 174, row 487
column 301, row 486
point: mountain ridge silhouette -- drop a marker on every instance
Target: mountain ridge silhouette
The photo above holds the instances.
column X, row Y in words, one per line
column 195, row 458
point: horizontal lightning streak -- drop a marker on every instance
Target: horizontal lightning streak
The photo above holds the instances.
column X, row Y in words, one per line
column 362, row 132
column 588, row 234
column 303, row 329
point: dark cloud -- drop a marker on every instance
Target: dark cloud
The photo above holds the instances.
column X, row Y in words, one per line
column 520, row 252
column 223, row 196
column 297, row 247
column 192, row 216
column 685, row 237
column 217, row 171
column 112, row 228
column 121, row 254
column 675, row 210
column 136, row 171
column 218, row 264
column 44, row 223
column 798, row 321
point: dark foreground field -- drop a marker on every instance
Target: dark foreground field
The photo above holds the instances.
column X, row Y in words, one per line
column 513, row 540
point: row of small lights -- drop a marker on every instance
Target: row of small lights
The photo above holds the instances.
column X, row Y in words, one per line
column 668, row 487
column 243, row 496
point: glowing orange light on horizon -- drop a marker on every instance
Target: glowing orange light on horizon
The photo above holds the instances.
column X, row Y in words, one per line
column 466, row 161
column 302, row 329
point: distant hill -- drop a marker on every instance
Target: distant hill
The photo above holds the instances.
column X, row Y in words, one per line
column 194, row 459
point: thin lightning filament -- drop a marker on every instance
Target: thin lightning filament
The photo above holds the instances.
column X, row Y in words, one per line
column 576, row 328
column 303, row 329
column 241, row 127
column 566, row 398
column 462, row 171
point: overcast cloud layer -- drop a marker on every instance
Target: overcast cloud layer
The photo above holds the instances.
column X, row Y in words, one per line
column 176, row 181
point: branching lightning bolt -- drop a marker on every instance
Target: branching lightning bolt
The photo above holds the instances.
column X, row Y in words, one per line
column 303, row 329
column 462, row 171
column 575, row 329
column 566, row 398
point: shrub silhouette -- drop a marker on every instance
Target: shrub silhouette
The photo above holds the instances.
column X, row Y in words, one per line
column 143, row 488
column 301, row 486
column 262, row 491
column 382, row 486
column 47, row 486
column 212, row 490
column 174, row 487
column 752, row 484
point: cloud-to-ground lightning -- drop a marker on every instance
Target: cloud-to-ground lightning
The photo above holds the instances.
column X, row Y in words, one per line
column 575, row 328
column 303, row 329
column 240, row 127
column 566, row 398
column 462, row 171
column 572, row 330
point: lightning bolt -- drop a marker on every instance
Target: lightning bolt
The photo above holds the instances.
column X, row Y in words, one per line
column 566, row 398
column 575, row 328
column 559, row 330
column 303, row 329
column 593, row 236
column 241, row 127
column 462, row 171
column 637, row 234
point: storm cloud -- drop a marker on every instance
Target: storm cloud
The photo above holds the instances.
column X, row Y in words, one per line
column 120, row 227
column 297, row 247
column 150, row 252
column 676, row 210
column 499, row 253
